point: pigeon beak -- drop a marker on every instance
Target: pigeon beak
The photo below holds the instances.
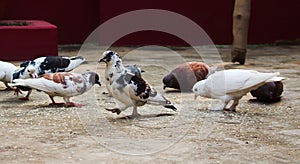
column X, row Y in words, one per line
column 101, row 60
column 33, row 75
column 99, row 83
column 195, row 97
column 164, row 87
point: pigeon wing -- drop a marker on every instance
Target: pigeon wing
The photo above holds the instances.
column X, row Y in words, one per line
column 49, row 84
column 231, row 81
column 73, row 63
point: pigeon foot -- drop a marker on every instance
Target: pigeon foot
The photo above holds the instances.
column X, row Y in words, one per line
column 114, row 110
column 230, row 110
column 56, row 104
column 133, row 116
column 72, row 104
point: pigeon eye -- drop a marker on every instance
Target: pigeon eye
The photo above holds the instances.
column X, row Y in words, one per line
column 195, row 89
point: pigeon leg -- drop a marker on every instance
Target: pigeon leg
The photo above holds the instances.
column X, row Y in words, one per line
column 135, row 113
column 234, row 104
column 17, row 91
column 53, row 102
column 27, row 96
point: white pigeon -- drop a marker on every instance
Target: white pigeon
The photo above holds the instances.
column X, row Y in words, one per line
column 130, row 90
column 52, row 64
column 6, row 72
column 63, row 84
column 232, row 84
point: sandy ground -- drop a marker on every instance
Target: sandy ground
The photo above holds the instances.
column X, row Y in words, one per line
column 34, row 132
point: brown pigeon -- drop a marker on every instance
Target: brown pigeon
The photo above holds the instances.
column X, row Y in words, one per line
column 184, row 76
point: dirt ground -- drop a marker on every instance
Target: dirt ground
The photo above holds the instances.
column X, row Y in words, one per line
column 34, row 132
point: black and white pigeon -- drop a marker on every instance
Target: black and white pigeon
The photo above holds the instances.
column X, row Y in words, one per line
column 63, row 84
column 52, row 64
column 24, row 73
column 6, row 72
column 232, row 84
column 129, row 89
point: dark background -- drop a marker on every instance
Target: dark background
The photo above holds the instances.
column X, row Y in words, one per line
column 271, row 20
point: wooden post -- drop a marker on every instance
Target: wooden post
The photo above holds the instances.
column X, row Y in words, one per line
column 241, row 15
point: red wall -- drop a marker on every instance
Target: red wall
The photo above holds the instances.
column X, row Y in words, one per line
column 213, row 16
column 75, row 19
column 271, row 20
column 38, row 38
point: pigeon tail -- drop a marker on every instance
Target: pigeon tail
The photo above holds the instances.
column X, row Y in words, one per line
column 17, row 82
column 75, row 62
column 158, row 99
column 171, row 107
column 273, row 79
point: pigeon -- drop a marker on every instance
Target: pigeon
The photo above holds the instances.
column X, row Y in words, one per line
column 232, row 84
column 134, row 69
column 184, row 76
column 42, row 65
column 63, row 84
column 10, row 72
column 269, row 92
column 6, row 72
column 52, row 64
column 129, row 89
column 23, row 73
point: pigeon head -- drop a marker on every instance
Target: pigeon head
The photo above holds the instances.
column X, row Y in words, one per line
column 29, row 72
column 110, row 57
column 93, row 78
column 198, row 89
column 170, row 81
column 97, row 80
